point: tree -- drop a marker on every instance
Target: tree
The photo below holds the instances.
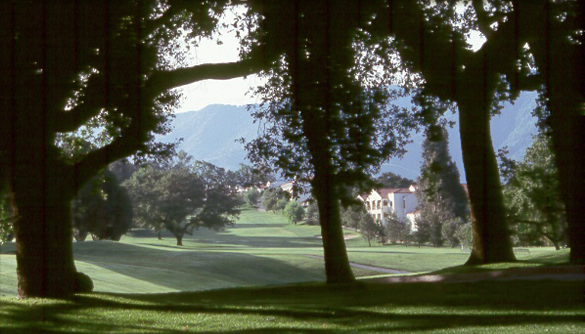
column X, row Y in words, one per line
column 6, row 219
column 249, row 176
column 441, row 198
column 449, row 230
column 396, row 230
column 251, row 196
column 430, row 40
column 464, row 234
column 558, row 48
column 528, row 46
column 178, row 197
column 370, row 230
column 65, row 64
column 122, row 169
column 102, row 208
column 357, row 217
column 312, row 213
column 533, row 196
column 391, row 180
column 325, row 107
column 294, row 212
column 164, row 198
column 422, row 230
column 275, row 199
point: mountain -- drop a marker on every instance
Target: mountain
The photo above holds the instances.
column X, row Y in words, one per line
column 210, row 134
column 513, row 127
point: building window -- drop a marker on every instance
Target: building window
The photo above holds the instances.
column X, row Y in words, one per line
column 404, row 202
column 385, row 203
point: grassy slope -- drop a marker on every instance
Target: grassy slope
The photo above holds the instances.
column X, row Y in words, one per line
column 263, row 250
column 488, row 307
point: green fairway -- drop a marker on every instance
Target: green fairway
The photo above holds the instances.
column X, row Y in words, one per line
column 486, row 307
column 260, row 249
column 136, row 277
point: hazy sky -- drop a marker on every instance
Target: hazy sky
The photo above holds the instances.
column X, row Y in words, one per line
column 201, row 94
column 235, row 91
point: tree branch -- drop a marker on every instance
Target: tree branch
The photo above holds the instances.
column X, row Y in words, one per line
column 71, row 120
column 94, row 96
column 483, row 21
column 163, row 80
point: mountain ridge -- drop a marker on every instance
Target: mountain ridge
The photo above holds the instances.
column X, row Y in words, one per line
column 212, row 133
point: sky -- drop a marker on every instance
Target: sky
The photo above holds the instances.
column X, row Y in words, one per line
column 203, row 93
column 235, row 91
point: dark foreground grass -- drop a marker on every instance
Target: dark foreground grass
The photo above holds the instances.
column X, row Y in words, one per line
column 483, row 307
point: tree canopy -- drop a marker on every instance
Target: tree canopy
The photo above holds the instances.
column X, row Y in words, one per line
column 69, row 63
column 533, row 196
column 179, row 197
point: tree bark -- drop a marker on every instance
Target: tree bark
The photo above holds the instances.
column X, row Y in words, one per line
column 561, row 64
column 43, row 231
column 179, row 240
column 568, row 142
column 491, row 237
column 337, row 268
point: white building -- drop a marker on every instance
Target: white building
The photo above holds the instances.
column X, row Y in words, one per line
column 381, row 203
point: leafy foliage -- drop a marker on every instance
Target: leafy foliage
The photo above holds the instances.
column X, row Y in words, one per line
column 294, row 212
column 102, row 208
column 391, row 180
column 5, row 219
column 312, row 213
column 251, row 197
column 396, row 230
column 71, row 64
column 464, row 234
column 275, row 199
column 533, row 196
column 181, row 197
column 441, row 198
column 357, row 217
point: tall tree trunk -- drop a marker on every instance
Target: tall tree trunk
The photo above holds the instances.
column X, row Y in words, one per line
column 560, row 62
column 491, row 237
column 337, row 268
column 179, row 240
column 43, row 231
column 569, row 141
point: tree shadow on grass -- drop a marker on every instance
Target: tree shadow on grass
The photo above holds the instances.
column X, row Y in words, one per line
column 317, row 308
column 194, row 270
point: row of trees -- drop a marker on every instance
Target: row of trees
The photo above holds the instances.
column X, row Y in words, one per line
column 328, row 66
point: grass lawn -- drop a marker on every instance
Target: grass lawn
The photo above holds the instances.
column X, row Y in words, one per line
column 488, row 307
column 262, row 276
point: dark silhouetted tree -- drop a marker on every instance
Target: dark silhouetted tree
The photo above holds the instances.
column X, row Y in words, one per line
column 102, row 208
column 391, row 180
column 325, row 107
column 64, row 65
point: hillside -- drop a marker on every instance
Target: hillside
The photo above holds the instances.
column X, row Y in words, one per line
column 210, row 134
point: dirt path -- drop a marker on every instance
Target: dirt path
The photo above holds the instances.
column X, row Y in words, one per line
column 569, row 273
column 363, row 266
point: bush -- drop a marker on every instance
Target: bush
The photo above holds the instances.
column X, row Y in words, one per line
column 251, row 197
column 294, row 212
column 465, row 235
